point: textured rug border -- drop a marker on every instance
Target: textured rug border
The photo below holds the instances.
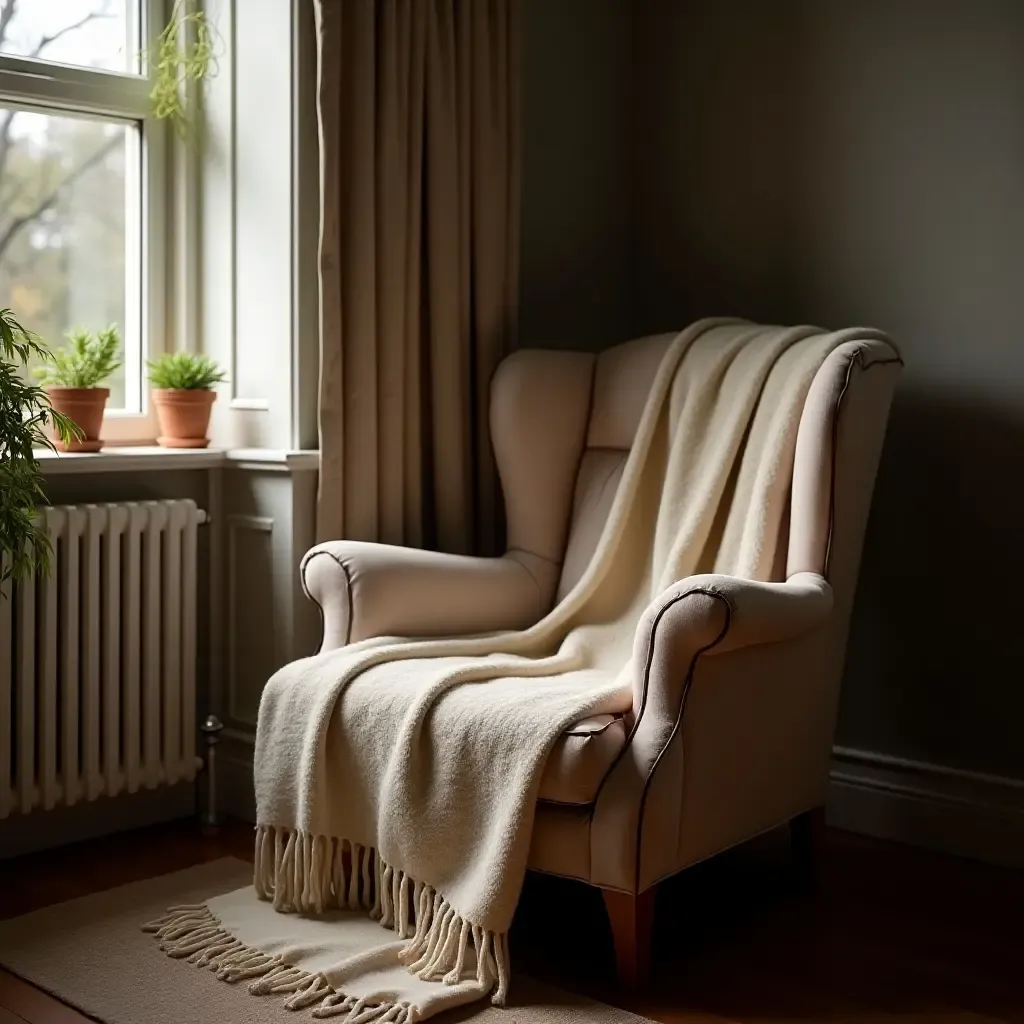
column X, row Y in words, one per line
column 548, row 1004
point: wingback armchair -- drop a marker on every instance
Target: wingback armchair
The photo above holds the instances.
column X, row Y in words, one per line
column 735, row 683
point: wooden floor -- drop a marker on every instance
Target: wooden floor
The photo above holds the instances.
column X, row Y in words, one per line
column 885, row 934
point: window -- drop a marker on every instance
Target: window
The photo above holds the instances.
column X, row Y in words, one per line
column 82, row 181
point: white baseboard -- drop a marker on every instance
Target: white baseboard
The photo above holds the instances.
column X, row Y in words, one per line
column 948, row 809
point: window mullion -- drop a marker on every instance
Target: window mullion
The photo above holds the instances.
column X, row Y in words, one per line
column 76, row 90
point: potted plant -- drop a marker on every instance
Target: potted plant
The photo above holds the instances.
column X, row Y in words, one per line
column 25, row 412
column 72, row 378
column 183, row 395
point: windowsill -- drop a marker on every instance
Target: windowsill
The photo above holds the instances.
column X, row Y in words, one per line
column 152, row 458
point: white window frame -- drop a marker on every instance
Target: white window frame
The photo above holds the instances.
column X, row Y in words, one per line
column 47, row 87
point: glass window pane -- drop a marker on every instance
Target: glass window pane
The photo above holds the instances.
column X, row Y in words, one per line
column 70, row 231
column 88, row 33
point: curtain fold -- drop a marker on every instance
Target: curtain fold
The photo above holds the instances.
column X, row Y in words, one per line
column 418, row 110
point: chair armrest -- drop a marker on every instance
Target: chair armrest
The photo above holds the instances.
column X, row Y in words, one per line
column 691, row 624
column 754, row 613
column 366, row 590
column 713, row 614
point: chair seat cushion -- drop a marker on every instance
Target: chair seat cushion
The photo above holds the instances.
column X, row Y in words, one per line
column 580, row 759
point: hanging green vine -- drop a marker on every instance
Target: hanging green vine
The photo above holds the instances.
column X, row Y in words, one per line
column 184, row 53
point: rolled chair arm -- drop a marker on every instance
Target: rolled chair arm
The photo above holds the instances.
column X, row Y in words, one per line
column 713, row 614
column 366, row 590
column 696, row 618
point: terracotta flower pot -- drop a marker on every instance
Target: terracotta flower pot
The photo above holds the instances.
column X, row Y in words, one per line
column 85, row 406
column 184, row 417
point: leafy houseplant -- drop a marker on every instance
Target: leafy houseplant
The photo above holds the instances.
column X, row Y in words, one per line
column 184, row 396
column 72, row 377
column 24, row 412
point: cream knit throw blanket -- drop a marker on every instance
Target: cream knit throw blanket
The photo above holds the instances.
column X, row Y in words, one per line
column 397, row 779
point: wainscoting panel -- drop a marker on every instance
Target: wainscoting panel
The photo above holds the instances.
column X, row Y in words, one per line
column 268, row 527
column 250, row 612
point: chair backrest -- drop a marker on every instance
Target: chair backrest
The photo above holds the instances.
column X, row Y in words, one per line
column 563, row 424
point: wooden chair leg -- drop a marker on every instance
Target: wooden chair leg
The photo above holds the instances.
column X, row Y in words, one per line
column 632, row 920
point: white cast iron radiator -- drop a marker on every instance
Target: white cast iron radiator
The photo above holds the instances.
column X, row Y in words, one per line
column 98, row 659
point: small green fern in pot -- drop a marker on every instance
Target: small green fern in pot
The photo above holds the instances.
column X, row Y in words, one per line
column 26, row 417
column 183, row 395
column 72, row 378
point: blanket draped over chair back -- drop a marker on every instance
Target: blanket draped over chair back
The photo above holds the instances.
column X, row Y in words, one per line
column 396, row 780
column 418, row 106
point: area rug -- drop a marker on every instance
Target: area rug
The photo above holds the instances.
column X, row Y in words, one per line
column 92, row 954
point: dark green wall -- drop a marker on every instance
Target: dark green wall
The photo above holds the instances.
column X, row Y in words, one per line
column 574, row 286
column 863, row 162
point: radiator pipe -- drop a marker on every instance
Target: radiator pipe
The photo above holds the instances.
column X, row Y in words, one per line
column 210, row 818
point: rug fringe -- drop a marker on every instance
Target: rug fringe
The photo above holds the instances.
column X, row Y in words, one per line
column 195, row 934
column 302, row 873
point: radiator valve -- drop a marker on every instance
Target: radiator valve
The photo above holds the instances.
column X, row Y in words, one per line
column 211, row 730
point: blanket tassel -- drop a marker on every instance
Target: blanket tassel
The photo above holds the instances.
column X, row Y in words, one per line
column 440, row 938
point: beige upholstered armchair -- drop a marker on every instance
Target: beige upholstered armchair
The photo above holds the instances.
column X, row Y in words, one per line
column 735, row 683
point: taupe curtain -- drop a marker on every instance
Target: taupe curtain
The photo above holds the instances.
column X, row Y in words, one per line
column 418, row 104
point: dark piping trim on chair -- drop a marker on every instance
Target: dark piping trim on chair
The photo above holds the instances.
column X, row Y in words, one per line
column 348, row 590
column 682, row 703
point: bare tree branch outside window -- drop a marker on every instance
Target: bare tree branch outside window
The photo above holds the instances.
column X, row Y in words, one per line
column 62, row 178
